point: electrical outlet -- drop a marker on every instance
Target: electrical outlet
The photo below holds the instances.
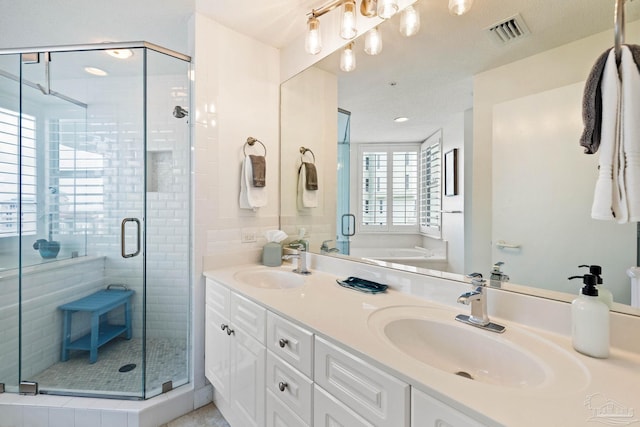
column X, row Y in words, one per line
column 248, row 236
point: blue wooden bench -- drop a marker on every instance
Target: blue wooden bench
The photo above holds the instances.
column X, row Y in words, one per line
column 98, row 304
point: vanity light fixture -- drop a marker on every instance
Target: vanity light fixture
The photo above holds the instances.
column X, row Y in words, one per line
column 348, row 29
column 368, row 8
column 373, row 41
column 313, row 41
column 459, row 7
column 120, row 53
column 348, row 59
column 95, row 71
column 409, row 21
column 387, row 8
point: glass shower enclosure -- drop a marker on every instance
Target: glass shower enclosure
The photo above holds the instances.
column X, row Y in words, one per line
column 94, row 220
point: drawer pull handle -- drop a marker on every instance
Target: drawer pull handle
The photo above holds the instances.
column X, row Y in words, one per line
column 283, row 342
column 230, row 331
column 282, row 386
column 223, row 326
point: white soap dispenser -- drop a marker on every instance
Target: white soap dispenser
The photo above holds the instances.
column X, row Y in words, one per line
column 590, row 320
column 604, row 294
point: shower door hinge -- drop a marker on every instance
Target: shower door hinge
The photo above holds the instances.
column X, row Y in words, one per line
column 168, row 386
column 28, row 387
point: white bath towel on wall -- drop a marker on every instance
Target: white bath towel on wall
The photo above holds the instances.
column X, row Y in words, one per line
column 250, row 197
column 305, row 198
column 607, row 197
column 629, row 176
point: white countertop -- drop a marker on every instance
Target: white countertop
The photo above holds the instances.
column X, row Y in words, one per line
column 343, row 316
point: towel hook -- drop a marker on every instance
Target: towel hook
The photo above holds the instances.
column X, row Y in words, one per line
column 618, row 28
column 304, row 150
column 251, row 141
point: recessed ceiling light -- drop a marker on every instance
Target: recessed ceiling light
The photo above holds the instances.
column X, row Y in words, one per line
column 95, row 71
column 401, row 119
column 120, row 53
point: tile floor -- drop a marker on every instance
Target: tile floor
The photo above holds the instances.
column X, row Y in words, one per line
column 207, row 416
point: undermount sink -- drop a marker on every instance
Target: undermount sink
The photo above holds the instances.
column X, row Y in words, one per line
column 270, row 279
column 516, row 359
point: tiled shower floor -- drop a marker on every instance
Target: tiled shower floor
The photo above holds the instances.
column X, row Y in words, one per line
column 166, row 360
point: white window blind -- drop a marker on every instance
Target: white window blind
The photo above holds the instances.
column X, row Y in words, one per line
column 431, row 185
column 389, row 187
column 77, row 179
column 10, row 172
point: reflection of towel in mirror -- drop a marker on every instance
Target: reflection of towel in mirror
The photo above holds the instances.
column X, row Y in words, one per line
column 311, row 176
column 250, row 197
column 259, row 167
column 592, row 100
column 305, row 198
column 629, row 175
column 606, row 200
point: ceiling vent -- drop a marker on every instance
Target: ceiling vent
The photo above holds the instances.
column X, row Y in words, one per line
column 508, row 30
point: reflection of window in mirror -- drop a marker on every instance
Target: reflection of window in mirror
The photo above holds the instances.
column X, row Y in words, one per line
column 388, row 187
column 430, row 185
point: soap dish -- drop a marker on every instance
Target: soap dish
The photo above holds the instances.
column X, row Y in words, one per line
column 362, row 285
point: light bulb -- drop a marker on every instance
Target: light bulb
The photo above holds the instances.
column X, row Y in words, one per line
column 313, row 41
column 348, row 28
column 373, row 42
column 348, row 59
column 459, row 7
column 409, row 22
column 387, row 8
column 368, row 8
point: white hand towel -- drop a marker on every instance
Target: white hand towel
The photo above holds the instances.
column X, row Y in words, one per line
column 305, row 198
column 629, row 175
column 606, row 200
column 250, row 197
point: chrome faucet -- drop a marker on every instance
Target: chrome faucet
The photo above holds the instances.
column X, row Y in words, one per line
column 477, row 299
column 497, row 276
column 301, row 256
column 325, row 249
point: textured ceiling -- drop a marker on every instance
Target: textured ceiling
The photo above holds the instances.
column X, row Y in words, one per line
column 432, row 71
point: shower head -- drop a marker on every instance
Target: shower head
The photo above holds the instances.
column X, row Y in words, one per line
column 179, row 112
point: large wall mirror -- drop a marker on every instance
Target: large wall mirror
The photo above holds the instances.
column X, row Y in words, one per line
column 508, row 118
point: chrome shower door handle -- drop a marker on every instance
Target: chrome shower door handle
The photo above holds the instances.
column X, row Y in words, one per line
column 123, row 249
column 350, row 229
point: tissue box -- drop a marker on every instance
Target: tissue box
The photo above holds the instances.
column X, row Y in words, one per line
column 272, row 254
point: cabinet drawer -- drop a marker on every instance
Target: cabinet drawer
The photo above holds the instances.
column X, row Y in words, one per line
column 429, row 412
column 217, row 297
column 248, row 316
column 378, row 397
column 290, row 386
column 291, row 343
column 329, row 412
column 278, row 415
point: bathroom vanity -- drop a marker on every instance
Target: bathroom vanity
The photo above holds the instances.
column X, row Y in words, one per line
column 289, row 350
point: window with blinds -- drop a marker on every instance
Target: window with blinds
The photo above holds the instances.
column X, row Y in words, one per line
column 389, row 187
column 431, row 185
column 11, row 154
column 76, row 175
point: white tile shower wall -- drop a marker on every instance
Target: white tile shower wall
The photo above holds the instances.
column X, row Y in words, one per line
column 43, row 290
column 116, row 120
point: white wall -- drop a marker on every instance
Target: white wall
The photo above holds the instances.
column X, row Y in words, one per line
column 239, row 76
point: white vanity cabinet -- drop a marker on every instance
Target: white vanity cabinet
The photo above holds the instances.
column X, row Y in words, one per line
column 429, row 412
column 235, row 354
column 374, row 395
column 289, row 373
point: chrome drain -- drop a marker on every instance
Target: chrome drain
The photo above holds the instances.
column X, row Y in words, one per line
column 127, row 368
column 464, row 375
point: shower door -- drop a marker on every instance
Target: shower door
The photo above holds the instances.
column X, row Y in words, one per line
column 100, row 303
